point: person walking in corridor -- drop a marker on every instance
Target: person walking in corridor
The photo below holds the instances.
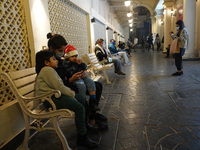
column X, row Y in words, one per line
column 150, row 41
column 182, row 35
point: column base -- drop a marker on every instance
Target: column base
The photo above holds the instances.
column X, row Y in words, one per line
column 191, row 55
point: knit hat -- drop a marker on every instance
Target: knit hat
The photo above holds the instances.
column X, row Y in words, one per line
column 70, row 50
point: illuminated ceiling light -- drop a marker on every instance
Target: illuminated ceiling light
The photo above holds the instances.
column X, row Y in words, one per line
column 127, row 3
column 130, row 25
column 129, row 14
column 131, row 30
column 130, row 21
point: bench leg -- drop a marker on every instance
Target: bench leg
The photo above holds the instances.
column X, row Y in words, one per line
column 60, row 134
column 24, row 145
column 105, row 75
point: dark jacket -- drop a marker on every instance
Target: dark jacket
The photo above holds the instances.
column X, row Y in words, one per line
column 61, row 70
column 72, row 68
column 100, row 55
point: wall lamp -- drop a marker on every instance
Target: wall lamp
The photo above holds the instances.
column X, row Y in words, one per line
column 93, row 20
column 114, row 32
column 130, row 20
column 129, row 14
column 127, row 3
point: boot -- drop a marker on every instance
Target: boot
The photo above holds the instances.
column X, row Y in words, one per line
column 84, row 140
column 93, row 105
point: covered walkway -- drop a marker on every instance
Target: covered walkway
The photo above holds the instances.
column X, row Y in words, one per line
column 148, row 109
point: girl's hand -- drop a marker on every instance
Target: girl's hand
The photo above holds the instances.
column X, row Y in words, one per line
column 76, row 76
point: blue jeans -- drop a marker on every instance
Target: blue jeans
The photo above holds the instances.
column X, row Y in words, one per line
column 85, row 84
column 117, row 64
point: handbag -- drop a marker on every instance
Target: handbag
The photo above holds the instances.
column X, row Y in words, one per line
column 174, row 48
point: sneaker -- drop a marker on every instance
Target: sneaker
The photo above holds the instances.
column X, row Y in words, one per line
column 100, row 117
column 120, row 73
column 177, row 74
column 102, row 126
column 92, row 128
column 128, row 64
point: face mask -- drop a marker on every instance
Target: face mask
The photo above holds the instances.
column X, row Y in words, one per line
column 59, row 55
column 177, row 28
column 113, row 42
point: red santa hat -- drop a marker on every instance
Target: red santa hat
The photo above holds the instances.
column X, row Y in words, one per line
column 70, row 50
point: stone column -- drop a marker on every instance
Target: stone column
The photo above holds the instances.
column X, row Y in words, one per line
column 189, row 18
column 197, row 27
column 167, row 23
column 152, row 24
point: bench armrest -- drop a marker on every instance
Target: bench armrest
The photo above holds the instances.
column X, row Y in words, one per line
column 103, row 61
column 44, row 97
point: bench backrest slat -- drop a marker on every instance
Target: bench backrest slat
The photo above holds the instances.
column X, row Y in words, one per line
column 27, row 89
column 21, row 73
column 25, row 81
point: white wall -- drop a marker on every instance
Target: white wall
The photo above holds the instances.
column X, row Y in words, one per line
column 40, row 22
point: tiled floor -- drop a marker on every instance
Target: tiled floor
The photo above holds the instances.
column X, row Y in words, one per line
column 148, row 109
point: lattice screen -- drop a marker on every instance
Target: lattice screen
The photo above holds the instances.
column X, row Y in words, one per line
column 14, row 47
column 71, row 22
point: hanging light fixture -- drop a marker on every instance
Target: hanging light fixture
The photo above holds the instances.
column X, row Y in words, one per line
column 130, row 25
column 130, row 20
column 129, row 14
column 131, row 30
column 127, row 3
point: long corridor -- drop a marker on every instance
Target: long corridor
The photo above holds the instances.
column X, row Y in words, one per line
column 148, row 109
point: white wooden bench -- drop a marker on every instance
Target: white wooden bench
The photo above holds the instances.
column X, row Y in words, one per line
column 99, row 68
column 22, row 84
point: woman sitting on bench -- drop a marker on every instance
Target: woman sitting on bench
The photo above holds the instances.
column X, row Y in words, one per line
column 102, row 54
column 57, row 44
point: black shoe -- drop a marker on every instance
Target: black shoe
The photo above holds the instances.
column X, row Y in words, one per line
column 84, row 140
column 100, row 117
column 93, row 105
column 177, row 74
column 92, row 128
column 102, row 126
column 120, row 73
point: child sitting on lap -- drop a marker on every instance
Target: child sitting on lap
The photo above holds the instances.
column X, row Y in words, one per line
column 84, row 83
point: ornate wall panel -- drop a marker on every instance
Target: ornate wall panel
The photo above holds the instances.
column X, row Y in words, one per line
column 14, row 47
column 99, row 31
column 71, row 22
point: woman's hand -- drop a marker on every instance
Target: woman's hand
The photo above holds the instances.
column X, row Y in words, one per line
column 76, row 76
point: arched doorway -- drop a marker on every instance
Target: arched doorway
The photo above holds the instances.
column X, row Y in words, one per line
column 141, row 24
